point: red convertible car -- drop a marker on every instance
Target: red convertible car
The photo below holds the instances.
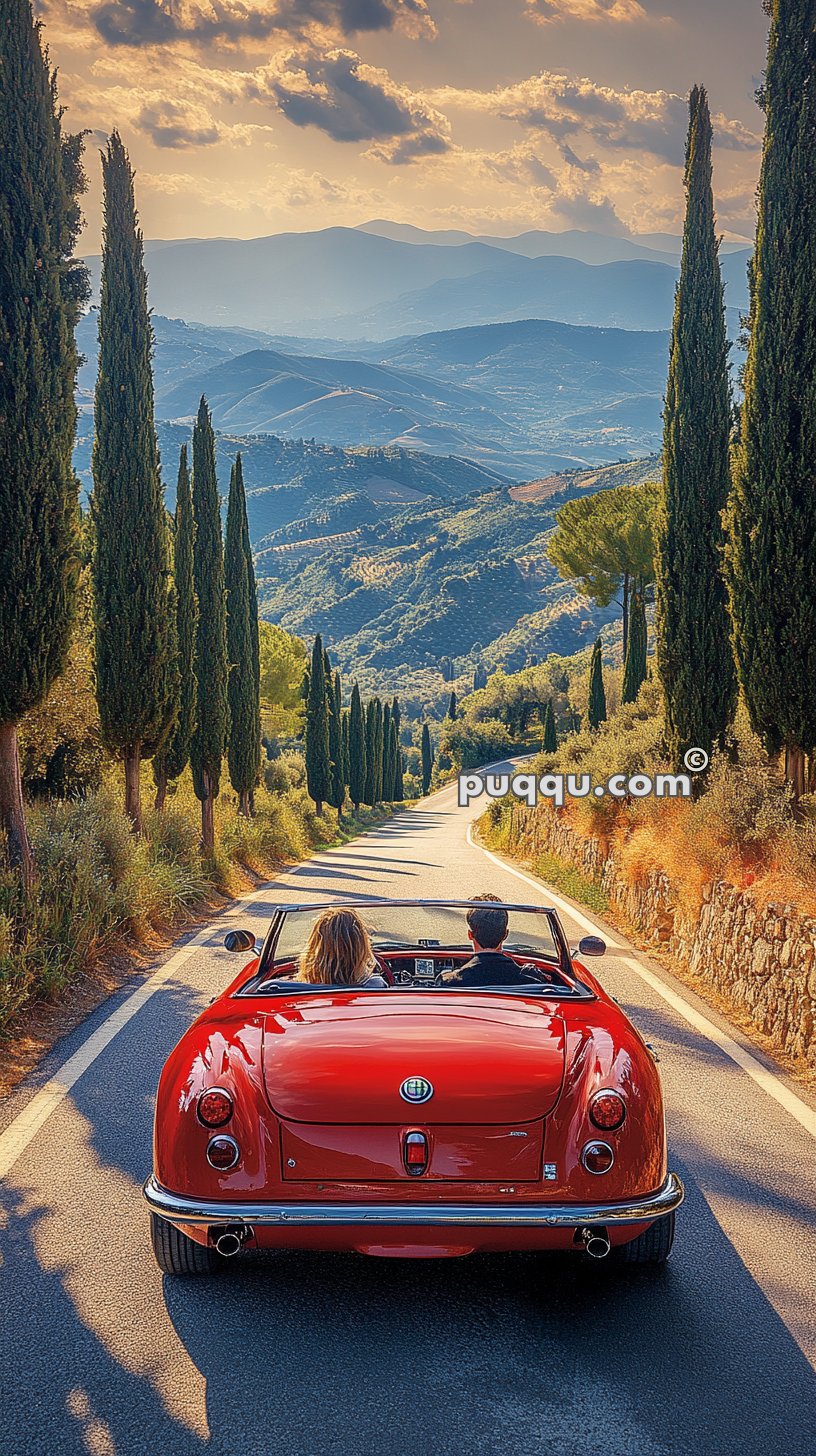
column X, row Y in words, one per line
column 415, row 1119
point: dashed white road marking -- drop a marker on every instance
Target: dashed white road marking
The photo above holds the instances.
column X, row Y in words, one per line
column 765, row 1079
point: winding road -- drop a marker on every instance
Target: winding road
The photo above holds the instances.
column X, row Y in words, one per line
column 312, row 1356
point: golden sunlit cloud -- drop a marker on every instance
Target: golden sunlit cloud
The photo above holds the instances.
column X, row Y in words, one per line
column 565, row 107
column 545, row 12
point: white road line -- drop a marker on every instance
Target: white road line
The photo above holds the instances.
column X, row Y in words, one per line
column 769, row 1083
column 26, row 1125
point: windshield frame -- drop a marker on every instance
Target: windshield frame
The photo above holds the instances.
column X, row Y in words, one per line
column 266, row 960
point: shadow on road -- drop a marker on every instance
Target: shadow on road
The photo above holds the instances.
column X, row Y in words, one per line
column 473, row 1357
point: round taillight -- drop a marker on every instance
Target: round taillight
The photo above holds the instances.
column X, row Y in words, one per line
column 597, row 1157
column 214, row 1107
column 607, row 1110
column 222, row 1153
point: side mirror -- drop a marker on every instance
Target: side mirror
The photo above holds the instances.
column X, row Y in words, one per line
column 592, row 945
column 239, row 940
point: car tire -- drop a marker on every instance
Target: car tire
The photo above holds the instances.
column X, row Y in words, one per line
column 653, row 1246
column 176, row 1254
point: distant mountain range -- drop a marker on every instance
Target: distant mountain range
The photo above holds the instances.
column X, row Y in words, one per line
column 349, row 283
column 586, row 246
column 522, row 398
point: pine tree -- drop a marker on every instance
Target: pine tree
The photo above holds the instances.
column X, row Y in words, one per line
column 452, row 706
column 337, row 787
column 549, row 739
column 41, row 294
column 244, row 687
column 596, row 711
column 694, row 655
column 771, row 563
column 212, row 663
column 173, row 760
column 427, row 758
column 134, row 606
column 318, row 762
column 634, row 668
column 357, row 751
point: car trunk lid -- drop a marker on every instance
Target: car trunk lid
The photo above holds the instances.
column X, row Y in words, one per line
column 337, row 1059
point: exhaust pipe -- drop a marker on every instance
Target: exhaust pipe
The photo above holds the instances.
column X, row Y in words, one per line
column 230, row 1241
column 595, row 1242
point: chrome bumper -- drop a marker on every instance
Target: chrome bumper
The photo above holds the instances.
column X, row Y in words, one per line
column 179, row 1210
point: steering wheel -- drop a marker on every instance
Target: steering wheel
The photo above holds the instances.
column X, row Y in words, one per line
column 536, row 975
column 383, row 970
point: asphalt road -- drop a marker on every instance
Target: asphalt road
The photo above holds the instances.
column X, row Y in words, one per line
column 308, row 1355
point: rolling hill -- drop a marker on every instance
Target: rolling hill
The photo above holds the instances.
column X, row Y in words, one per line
column 467, row 579
column 524, row 399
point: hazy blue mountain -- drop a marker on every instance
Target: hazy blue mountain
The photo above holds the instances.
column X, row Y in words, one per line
column 586, row 247
column 583, row 244
column 347, row 283
column 627, row 295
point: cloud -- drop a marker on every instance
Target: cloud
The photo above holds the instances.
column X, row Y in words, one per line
column 177, row 124
column 519, row 164
column 202, row 22
column 564, row 107
column 545, row 12
column 352, row 102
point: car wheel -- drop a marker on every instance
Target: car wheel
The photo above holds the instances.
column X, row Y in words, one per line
column 176, row 1254
column 653, row 1246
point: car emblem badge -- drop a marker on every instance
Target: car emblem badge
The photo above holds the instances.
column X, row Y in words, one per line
column 416, row 1089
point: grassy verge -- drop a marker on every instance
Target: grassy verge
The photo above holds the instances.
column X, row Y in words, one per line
column 102, row 892
column 495, row 831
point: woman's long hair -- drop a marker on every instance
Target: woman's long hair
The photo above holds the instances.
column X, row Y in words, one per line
column 338, row 952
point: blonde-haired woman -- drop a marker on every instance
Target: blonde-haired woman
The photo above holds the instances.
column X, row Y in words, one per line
column 339, row 952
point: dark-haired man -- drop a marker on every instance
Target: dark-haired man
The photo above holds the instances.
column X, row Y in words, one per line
column 488, row 966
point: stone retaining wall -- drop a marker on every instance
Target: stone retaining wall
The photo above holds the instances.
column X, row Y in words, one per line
column 760, row 958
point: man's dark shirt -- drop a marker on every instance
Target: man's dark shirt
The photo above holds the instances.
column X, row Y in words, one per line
column 486, row 968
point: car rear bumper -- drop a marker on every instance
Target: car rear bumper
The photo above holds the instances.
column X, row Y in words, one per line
column 180, row 1210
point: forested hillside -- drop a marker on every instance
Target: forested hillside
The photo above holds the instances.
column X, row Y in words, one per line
column 468, row 580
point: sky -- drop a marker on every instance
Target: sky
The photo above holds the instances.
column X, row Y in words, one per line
column 248, row 117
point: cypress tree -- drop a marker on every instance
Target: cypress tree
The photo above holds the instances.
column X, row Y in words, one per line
column 318, row 762
column 344, row 739
column 452, row 706
column 244, row 687
column 212, row 663
column 771, row 562
column 370, row 796
column 396, row 765
column 694, row 655
column 549, row 740
column 357, row 751
column 379, row 751
column 387, row 769
column 634, row 668
column 41, row 293
column 337, row 787
column 596, row 711
column 174, row 759
column 427, row 758
column 134, row 607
